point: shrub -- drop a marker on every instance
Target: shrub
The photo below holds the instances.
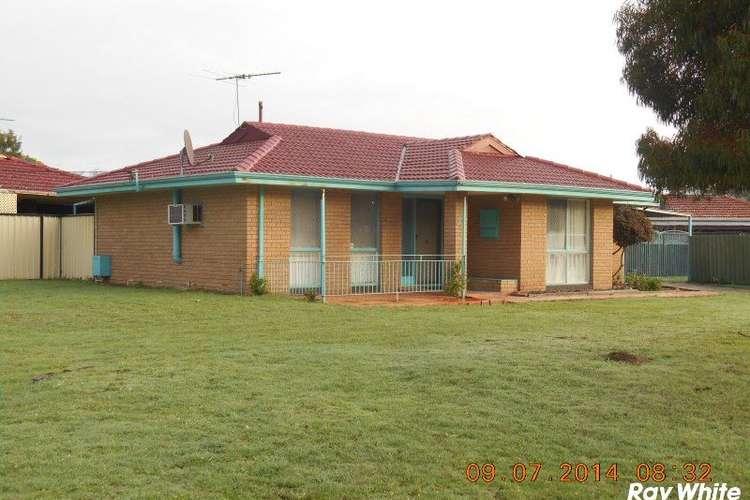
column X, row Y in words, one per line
column 456, row 281
column 643, row 283
column 258, row 285
column 311, row 295
column 631, row 226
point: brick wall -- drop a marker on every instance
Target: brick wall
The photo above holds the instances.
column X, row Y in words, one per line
column 533, row 258
column 490, row 258
column 453, row 214
column 133, row 229
column 277, row 236
column 391, row 206
column 390, row 223
column 602, row 245
column 338, row 240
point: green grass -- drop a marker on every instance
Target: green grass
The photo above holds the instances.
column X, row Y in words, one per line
column 191, row 394
column 673, row 279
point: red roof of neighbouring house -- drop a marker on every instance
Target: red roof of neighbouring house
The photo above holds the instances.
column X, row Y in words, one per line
column 21, row 175
column 713, row 206
column 296, row 150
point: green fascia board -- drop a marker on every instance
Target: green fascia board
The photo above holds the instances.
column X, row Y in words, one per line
column 620, row 195
column 149, row 185
column 556, row 190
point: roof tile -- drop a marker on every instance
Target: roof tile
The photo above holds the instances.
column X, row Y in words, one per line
column 274, row 148
column 716, row 206
column 21, row 175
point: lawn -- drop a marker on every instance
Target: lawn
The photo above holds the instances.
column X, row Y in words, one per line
column 192, row 394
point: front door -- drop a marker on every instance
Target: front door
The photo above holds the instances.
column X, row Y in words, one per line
column 421, row 241
column 427, row 237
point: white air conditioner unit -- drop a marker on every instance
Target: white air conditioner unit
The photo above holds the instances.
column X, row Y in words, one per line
column 182, row 214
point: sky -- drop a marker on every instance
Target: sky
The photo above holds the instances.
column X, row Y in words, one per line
column 100, row 85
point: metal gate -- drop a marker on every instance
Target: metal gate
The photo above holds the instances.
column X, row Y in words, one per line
column 668, row 254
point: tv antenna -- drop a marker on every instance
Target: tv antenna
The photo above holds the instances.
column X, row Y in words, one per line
column 237, row 78
column 187, row 152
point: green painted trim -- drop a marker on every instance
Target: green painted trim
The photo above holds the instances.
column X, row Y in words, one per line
column 489, row 223
column 555, row 190
column 465, row 229
column 323, row 243
column 371, row 185
column 177, row 231
column 378, row 199
column 261, row 232
column 414, row 226
column 147, row 185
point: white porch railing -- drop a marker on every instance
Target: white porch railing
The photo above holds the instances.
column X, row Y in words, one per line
column 358, row 274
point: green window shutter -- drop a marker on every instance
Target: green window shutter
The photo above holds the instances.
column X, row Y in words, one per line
column 489, row 223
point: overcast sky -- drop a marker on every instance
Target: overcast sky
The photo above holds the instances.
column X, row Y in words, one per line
column 104, row 84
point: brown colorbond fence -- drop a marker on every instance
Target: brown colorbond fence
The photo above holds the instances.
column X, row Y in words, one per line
column 720, row 258
column 46, row 247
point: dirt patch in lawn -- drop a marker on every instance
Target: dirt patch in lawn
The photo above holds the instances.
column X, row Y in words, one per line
column 625, row 357
column 49, row 375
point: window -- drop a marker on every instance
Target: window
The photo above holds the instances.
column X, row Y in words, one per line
column 304, row 260
column 305, row 220
column 568, row 242
column 489, row 223
column 364, row 220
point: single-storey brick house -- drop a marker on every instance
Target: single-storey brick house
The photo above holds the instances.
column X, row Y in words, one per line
column 352, row 212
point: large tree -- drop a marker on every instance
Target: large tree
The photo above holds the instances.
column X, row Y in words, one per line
column 689, row 60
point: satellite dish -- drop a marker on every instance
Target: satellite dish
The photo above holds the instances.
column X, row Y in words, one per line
column 189, row 148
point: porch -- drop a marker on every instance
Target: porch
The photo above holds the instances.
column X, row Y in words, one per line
column 348, row 243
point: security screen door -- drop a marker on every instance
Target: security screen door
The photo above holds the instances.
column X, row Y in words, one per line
column 304, row 259
column 422, row 226
column 364, row 224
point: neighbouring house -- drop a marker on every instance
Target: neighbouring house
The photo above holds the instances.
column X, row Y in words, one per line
column 696, row 214
column 29, row 188
column 341, row 212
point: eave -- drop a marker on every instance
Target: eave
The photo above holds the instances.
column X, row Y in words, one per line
column 178, row 182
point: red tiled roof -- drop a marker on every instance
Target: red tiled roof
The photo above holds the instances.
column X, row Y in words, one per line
column 527, row 169
column 325, row 152
column 715, row 206
column 226, row 158
column 21, row 175
column 332, row 153
column 431, row 160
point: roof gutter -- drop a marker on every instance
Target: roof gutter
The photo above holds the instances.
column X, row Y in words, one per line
column 150, row 185
column 621, row 195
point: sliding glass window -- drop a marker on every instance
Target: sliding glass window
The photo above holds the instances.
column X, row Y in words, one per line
column 568, row 242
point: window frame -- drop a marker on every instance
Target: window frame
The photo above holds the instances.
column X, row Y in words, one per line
column 308, row 192
column 374, row 196
column 567, row 252
column 489, row 232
